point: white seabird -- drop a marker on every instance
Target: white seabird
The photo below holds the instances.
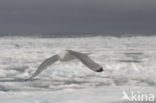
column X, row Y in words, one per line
column 68, row 55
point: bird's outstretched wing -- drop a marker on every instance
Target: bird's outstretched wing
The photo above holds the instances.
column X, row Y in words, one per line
column 44, row 65
column 85, row 59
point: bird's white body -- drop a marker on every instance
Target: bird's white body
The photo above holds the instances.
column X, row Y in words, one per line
column 66, row 56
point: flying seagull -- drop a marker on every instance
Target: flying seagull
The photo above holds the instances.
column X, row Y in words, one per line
column 68, row 55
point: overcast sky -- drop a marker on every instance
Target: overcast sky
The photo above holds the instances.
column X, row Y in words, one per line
column 50, row 16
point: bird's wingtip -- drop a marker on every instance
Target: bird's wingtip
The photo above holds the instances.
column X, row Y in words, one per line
column 100, row 69
column 28, row 79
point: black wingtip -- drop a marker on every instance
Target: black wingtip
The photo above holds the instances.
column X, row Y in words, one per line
column 100, row 69
column 28, row 79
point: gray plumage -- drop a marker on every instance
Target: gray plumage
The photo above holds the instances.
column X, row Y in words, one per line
column 85, row 59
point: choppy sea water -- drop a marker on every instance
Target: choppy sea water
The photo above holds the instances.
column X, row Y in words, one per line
column 127, row 61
